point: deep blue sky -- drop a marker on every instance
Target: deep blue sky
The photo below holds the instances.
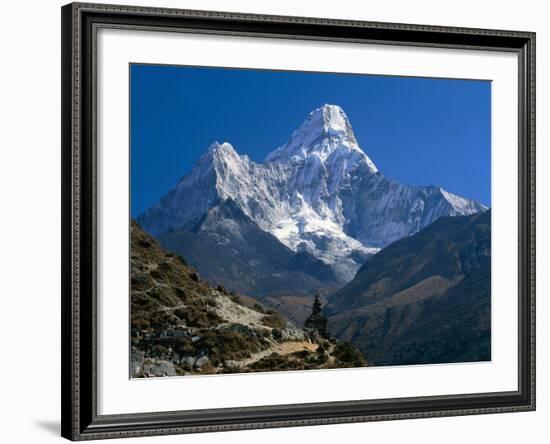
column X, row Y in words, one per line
column 418, row 131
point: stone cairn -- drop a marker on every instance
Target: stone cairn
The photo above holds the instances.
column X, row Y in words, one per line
column 317, row 320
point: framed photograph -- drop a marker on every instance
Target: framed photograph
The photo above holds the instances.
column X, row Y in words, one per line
column 279, row 221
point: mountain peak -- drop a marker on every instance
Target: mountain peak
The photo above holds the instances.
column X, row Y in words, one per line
column 325, row 131
column 221, row 149
column 220, row 155
column 332, row 120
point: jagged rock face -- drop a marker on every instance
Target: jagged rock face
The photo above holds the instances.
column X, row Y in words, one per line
column 318, row 193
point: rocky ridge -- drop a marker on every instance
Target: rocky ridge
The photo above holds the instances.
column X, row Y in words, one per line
column 180, row 325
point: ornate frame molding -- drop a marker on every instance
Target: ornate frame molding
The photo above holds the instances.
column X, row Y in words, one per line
column 79, row 395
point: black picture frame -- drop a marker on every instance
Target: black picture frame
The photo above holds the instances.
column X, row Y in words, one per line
column 80, row 420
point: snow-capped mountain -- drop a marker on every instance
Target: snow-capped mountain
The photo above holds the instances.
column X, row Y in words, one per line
column 318, row 193
column 327, row 135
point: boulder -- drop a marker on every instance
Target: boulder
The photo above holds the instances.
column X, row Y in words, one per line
column 230, row 363
column 202, row 361
column 159, row 368
column 292, row 334
column 188, row 361
column 136, row 362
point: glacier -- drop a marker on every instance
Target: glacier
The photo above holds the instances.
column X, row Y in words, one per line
column 319, row 193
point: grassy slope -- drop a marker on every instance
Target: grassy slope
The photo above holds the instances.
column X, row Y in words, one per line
column 423, row 299
column 178, row 321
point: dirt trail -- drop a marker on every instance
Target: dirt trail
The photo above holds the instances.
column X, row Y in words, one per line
column 282, row 348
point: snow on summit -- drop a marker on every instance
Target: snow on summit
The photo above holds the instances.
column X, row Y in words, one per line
column 326, row 134
column 319, row 193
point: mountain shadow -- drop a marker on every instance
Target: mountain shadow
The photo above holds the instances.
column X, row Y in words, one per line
column 228, row 248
